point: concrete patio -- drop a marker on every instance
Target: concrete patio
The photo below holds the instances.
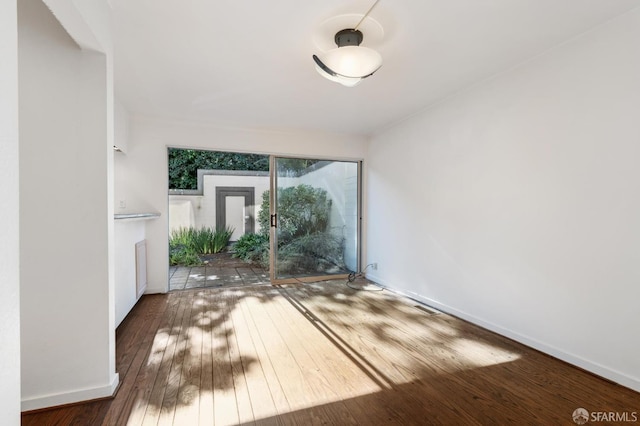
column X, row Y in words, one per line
column 220, row 270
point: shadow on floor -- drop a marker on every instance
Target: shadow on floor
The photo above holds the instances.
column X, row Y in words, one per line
column 219, row 270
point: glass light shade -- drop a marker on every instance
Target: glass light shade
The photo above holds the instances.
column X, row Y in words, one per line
column 345, row 81
column 352, row 61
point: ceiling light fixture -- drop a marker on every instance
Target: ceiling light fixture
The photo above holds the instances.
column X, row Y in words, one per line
column 349, row 63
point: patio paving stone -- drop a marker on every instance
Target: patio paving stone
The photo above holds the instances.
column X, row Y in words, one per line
column 219, row 270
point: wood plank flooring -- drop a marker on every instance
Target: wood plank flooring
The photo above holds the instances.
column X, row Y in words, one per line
column 324, row 353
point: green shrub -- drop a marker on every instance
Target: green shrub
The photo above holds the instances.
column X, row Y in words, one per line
column 182, row 255
column 264, row 215
column 304, row 243
column 221, row 239
column 319, row 253
column 302, row 210
column 186, row 244
column 208, row 240
column 252, row 248
column 181, row 236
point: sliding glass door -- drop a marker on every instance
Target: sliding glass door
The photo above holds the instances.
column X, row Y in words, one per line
column 315, row 213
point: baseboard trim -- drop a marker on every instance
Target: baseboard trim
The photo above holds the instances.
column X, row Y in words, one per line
column 67, row 398
column 585, row 364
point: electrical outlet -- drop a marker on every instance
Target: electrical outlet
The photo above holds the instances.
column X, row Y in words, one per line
column 123, row 204
column 374, row 266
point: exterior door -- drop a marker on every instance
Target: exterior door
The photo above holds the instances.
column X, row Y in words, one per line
column 235, row 209
column 315, row 219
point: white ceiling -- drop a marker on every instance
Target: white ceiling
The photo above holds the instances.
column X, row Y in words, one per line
column 248, row 63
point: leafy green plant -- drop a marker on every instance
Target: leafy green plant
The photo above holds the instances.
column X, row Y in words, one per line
column 319, row 252
column 208, row 240
column 304, row 242
column 220, row 239
column 181, row 236
column 186, row 244
column 252, row 248
column 302, row 210
column 264, row 214
column 182, row 255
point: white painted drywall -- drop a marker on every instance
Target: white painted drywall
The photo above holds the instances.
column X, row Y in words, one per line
column 9, row 218
column 121, row 126
column 127, row 232
column 515, row 204
column 67, row 318
column 148, row 177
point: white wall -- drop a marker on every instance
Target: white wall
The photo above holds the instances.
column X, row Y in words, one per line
column 120, row 165
column 121, row 126
column 147, row 156
column 182, row 211
column 67, row 318
column 128, row 232
column 200, row 210
column 515, row 205
column 9, row 218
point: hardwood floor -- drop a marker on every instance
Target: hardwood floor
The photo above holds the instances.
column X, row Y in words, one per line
column 326, row 354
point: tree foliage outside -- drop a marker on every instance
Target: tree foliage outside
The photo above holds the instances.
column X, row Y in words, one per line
column 294, row 166
column 184, row 165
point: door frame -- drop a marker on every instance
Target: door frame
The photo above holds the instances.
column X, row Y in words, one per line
column 249, row 194
column 273, row 222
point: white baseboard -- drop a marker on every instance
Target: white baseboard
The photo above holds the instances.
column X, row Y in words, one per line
column 155, row 288
column 71, row 397
column 593, row 367
column 152, row 290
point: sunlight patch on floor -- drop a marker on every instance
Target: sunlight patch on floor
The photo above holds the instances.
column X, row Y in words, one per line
column 238, row 352
column 475, row 353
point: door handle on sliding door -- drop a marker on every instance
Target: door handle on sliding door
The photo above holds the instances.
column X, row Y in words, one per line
column 274, row 221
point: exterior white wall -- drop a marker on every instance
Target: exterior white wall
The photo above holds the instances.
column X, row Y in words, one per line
column 147, row 153
column 66, row 209
column 9, row 218
column 515, row 205
column 208, row 207
column 200, row 210
column 182, row 211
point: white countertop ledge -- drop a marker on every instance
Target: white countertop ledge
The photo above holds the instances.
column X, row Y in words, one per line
column 134, row 216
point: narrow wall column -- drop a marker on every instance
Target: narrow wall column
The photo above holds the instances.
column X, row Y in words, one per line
column 9, row 218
